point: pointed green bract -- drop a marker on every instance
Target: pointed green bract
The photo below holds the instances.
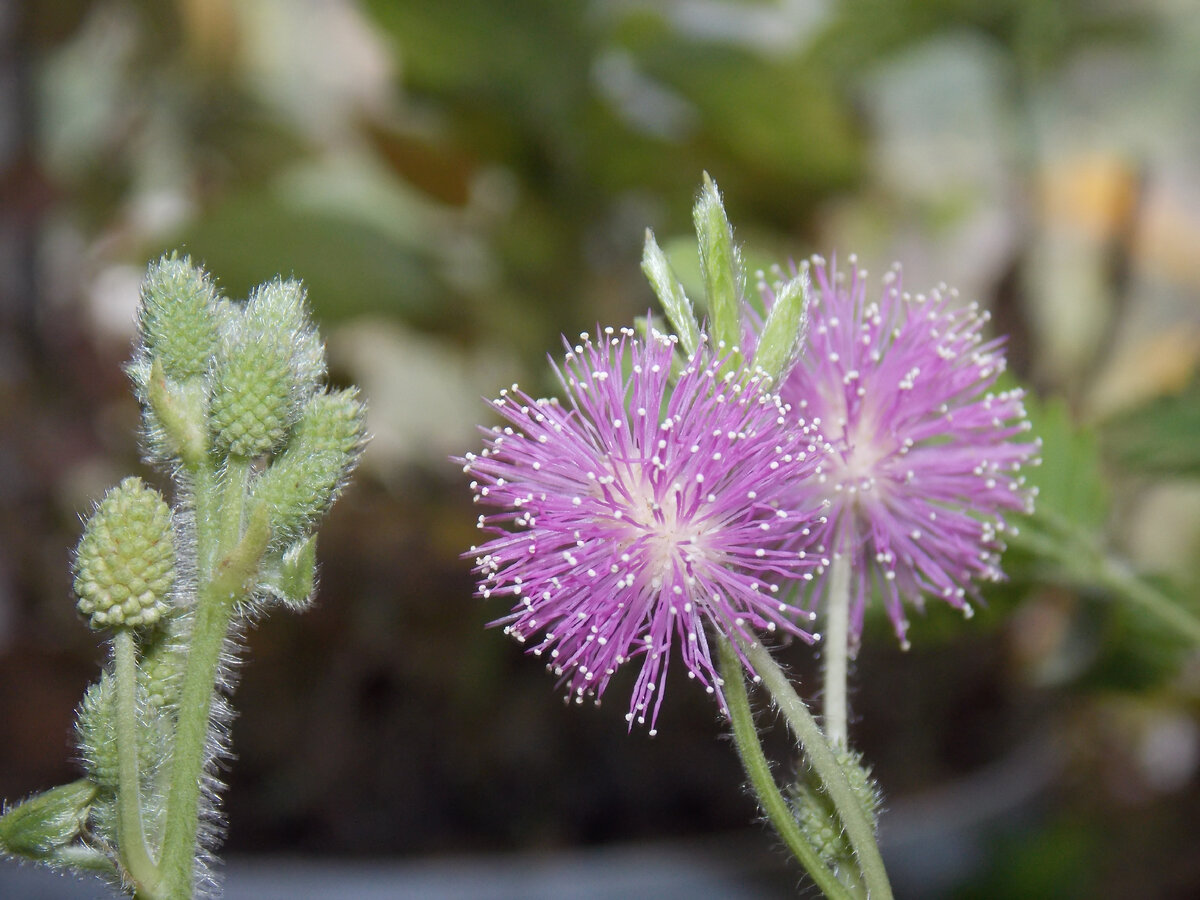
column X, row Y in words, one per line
column 721, row 266
column 293, row 576
column 783, row 332
column 670, row 294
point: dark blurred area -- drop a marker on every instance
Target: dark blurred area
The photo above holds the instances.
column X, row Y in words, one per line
column 458, row 183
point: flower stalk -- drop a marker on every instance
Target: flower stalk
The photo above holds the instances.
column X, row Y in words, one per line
column 835, row 652
column 819, row 754
column 762, row 782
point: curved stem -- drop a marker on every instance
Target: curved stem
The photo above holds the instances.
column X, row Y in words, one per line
column 836, row 651
column 750, row 751
column 135, row 855
column 859, row 830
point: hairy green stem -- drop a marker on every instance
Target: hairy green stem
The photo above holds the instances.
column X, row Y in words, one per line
column 221, row 587
column 135, row 856
column 817, row 750
column 772, row 802
column 836, row 651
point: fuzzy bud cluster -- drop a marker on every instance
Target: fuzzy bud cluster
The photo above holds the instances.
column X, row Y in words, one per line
column 125, row 562
column 236, row 413
column 226, row 380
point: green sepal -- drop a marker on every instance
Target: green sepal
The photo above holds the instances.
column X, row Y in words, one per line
column 176, row 415
column 784, row 329
column 291, row 576
column 671, row 296
column 721, row 267
column 38, row 827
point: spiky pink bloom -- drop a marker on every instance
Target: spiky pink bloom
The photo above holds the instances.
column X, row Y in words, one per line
column 637, row 512
column 924, row 465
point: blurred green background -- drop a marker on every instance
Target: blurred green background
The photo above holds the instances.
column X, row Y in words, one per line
column 460, row 182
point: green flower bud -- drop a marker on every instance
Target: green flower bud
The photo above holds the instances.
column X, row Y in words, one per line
column 302, row 482
column 670, row 294
column 160, row 675
column 96, row 733
column 817, row 818
column 177, row 319
column 125, row 562
column 47, row 821
column 783, row 332
column 96, row 730
column 720, row 264
column 270, row 360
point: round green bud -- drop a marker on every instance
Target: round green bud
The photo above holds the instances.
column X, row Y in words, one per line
column 177, row 318
column 125, row 562
column 269, row 360
column 302, row 482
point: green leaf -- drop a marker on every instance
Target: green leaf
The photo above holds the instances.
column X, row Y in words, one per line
column 784, row 328
column 675, row 302
column 38, row 827
column 720, row 264
column 1161, row 437
column 1070, row 481
column 1068, row 528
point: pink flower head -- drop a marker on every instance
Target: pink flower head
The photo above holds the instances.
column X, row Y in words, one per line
column 637, row 512
column 924, row 466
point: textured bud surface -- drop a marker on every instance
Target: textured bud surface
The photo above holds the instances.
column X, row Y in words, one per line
column 302, row 483
column 269, row 362
column 815, row 813
column 252, row 402
column 96, row 731
column 177, row 319
column 125, row 563
column 160, row 673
